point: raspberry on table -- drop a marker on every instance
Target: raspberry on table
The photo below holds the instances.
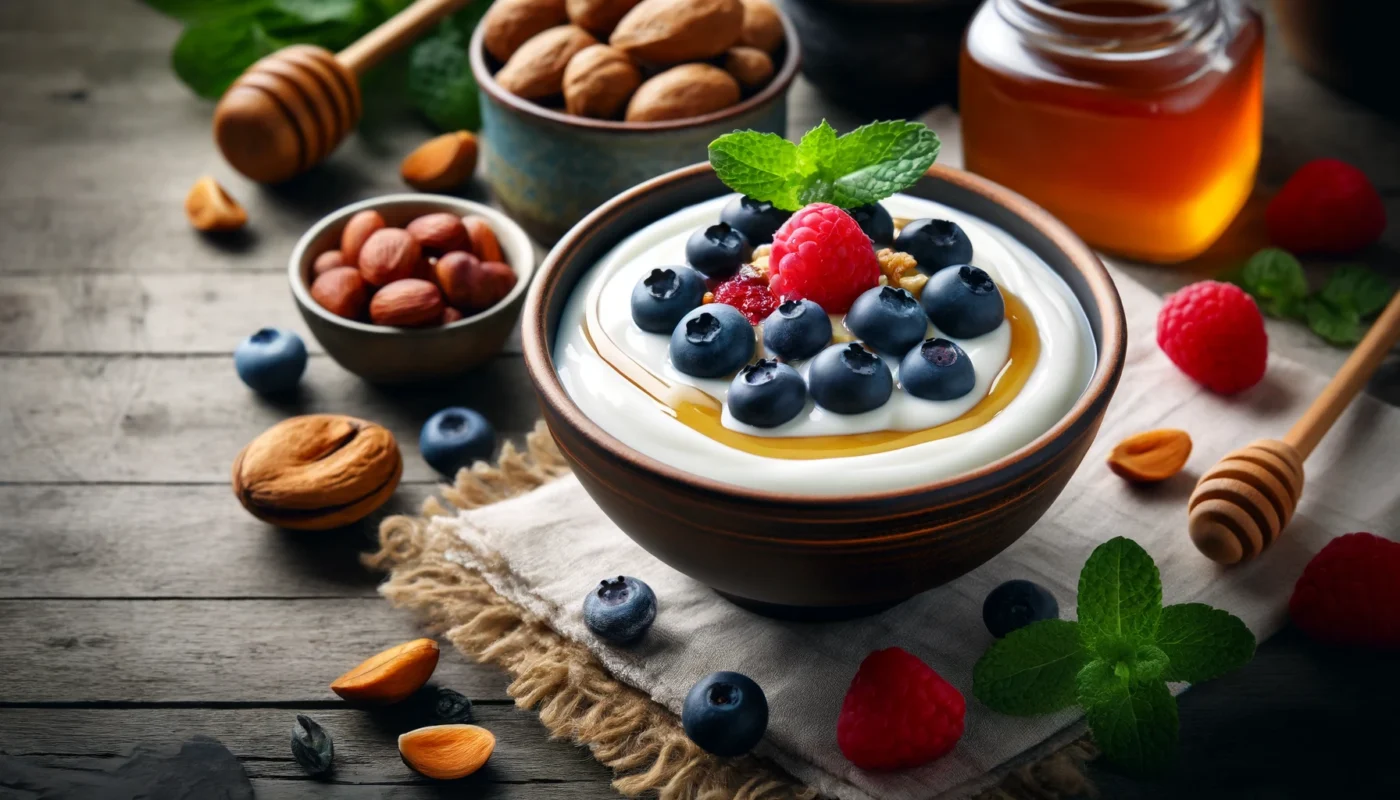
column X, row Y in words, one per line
column 821, row 254
column 748, row 293
column 1327, row 206
column 1215, row 334
column 1349, row 593
column 898, row 713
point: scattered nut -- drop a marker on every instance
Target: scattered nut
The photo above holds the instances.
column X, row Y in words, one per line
column 508, row 24
column 327, row 261
column 762, row 27
column 390, row 675
column 913, row 284
column 664, row 32
column 210, row 208
column 1151, row 456
column 446, row 752
column 342, row 292
column 598, row 81
column 388, row 255
column 536, row 70
column 438, row 232
column 598, row 17
column 406, row 303
column 483, row 239
column 680, row 92
column 750, row 66
column 441, row 163
column 312, row 747
column 357, row 230
column 896, row 265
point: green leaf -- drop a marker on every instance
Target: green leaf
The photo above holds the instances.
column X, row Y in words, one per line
column 440, row 82
column 874, row 161
column 1358, row 288
column 760, row 165
column 1120, row 595
column 1202, row 642
column 1134, row 722
column 196, row 11
column 209, row 56
column 1338, row 326
column 1032, row 670
column 815, row 153
column 1276, row 280
column 318, row 11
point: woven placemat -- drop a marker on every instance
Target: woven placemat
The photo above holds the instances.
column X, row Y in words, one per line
column 575, row 697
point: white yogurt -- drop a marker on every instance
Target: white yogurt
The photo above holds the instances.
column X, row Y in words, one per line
column 1066, row 362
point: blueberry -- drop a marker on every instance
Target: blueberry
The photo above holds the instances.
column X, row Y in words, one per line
column 454, row 438
column 620, row 611
column 963, row 302
column 1016, row 604
column 934, row 244
column 937, row 370
column 718, row 251
column 876, row 222
column 766, row 394
column 712, row 340
column 660, row 299
column 887, row 319
column 848, row 379
column 797, row 329
column 725, row 713
column 756, row 219
column 270, row 361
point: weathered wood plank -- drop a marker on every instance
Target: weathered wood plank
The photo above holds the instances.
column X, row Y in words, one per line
column 204, row 651
column 473, row 787
column 182, row 420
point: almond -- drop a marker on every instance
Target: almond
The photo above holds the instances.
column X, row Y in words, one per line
column 453, row 274
column 751, row 67
column 441, row 163
column 490, row 285
column 1151, row 456
column 212, row 209
column 598, row 17
column 407, row 303
column 388, row 255
column 342, row 292
column 598, row 81
column 680, row 92
column 484, row 245
column 438, row 232
column 357, row 230
column 510, row 23
column 327, row 261
column 537, row 68
column 672, row 31
column 446, row 752
column 389, row 675
column 450, row 315
column 763, row 26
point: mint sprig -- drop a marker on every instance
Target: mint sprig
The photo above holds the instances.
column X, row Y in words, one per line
column 1337, row 312
column 1116, row 660
column 866, row 165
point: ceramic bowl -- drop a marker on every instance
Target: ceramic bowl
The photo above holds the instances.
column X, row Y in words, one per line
column 382, row 354
column 818, row 556
column 548, row 168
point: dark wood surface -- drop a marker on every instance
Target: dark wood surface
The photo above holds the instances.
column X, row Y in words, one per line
column 139, row 603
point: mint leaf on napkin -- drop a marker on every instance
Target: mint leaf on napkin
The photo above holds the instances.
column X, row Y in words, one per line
column 1276, row 280
column 1357, row 288
column 1201, row 642
column 1120, row 595
column 1336, row 313
column 1032, row 670
column 1134, row 722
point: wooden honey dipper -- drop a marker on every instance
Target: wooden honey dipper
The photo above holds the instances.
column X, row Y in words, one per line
column 1242, row 503
column 291, row 109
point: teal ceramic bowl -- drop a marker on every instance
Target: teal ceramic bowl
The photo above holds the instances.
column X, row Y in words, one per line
column 549, row 169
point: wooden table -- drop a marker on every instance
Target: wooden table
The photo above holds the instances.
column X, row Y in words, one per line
column 139, row 603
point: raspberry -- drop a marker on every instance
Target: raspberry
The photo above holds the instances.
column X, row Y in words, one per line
column 1328, row 206
column 898, row 713
column 749, row 294
column 1348, row 594
column 1214, row 333
column 821, row 254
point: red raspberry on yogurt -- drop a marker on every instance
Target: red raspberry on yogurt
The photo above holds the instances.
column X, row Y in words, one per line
column 821, row 254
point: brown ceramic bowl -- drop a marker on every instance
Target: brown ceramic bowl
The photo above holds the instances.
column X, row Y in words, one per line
column 820, row 556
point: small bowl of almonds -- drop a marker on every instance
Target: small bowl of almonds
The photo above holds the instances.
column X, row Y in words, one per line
column 410, row 287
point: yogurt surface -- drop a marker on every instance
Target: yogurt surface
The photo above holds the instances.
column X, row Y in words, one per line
column 1065, row 364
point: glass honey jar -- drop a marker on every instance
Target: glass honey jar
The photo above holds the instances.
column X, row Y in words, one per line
column 1136, row 122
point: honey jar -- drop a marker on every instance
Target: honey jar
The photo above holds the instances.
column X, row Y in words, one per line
column 1136, row 123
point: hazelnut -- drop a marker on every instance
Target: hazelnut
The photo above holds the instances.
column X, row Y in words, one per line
column 342, row 292
column 763, row 26
column 454, row 274
column 388, row 255
column 492, row 281
column 407, row 303
column 483, row 240
column 356, row 232
column 327, row 261
column 439, row 232
column 751, row 67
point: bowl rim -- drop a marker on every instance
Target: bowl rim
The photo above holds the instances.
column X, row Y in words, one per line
column 782, row 79
column 503, row 226
column 1108, row 366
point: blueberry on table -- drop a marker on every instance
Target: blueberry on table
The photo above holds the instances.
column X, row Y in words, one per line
column 963, row 302
column 756, row 219
column 717, row 251
column 888, row 319
column 848, row 379
column 620, row 610
column 937, row 370
column 454, row 438
column 766, row 394
column 725, row 713
column 876, row 222
column 1016, row 604
column 270, row 361
column 797, row 329
column 934, row 244
column 712, row 340
column 664, row 295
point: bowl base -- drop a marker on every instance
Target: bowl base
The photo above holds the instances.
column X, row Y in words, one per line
column 809, row 613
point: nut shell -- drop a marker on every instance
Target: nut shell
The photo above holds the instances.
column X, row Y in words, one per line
column 681, row 92
column 388, row 255
column 357, row 230
column 390, row 676
column 1151, row 456
column 439, row 232
column 408, row 303
column 537, row 68
column 342, row 292
column 211, row 209
column 672, row 31
column 508, row 24
column 598, row 81
column 317, row 471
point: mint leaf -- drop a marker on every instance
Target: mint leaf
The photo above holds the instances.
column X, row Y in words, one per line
column 208, row 56
column 764, row 166
column 1032, row 670
column 1120, row 595
column 815, row 153
column 318, row 11
column 440, row 82
column 1357, row 288
column 1276, row 280
column 194, row 11
column 874, row 161
column 1337, row 326
column 1134, row 722
column 1202, row 642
